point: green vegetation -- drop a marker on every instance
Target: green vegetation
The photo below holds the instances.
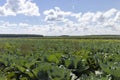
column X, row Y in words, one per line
column 59, row 59
column 18, row 35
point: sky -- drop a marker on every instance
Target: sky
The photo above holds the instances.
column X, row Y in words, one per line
column 60, row 17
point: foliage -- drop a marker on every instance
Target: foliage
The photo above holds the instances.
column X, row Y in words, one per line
column 56, row 59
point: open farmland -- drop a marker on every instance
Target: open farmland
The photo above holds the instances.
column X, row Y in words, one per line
column 59, row 59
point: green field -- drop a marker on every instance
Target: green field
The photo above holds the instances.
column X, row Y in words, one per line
column 59, row 58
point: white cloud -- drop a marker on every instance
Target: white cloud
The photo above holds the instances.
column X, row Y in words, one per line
column 110, row 13
column 14, row 7
column 55, row 14
column 69, row 23
column 85, row 23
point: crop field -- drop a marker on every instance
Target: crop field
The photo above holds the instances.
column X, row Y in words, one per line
column 59, row 59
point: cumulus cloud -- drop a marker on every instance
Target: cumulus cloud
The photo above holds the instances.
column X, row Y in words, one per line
column 69, row 23
column 107, row 22
column 55, row 14
column 14, row 7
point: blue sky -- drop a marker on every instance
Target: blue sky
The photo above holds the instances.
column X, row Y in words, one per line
column 79, row 5
column 60, row 17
